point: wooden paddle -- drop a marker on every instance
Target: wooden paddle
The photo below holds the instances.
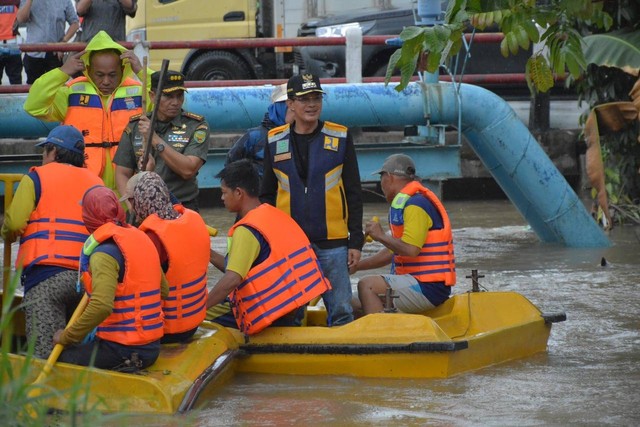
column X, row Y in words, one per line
column 145, row 89
column 9, row 179
column 158, row 92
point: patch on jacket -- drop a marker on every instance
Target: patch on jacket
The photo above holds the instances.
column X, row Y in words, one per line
column 200, row 136
column 193, row 116
column 331, row 143
column 281, row 157
column 135, row 117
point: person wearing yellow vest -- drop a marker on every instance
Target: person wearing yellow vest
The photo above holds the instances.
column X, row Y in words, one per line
column 182, row 241
column 419, row 248
column 271, row 270
column 99, row 103
column 311, row 173
column 46, row 214
column 10, row 59
column 123, row 279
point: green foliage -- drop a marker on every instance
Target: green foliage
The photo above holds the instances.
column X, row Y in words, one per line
column 18, row 407
column 517, row 20
column 619, row 49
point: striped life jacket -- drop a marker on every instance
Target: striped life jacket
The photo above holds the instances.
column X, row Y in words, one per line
column 55, row 232
column 187, row 243
column 102, row 126
column 288, row 278
column 436, row 261
column 137, row 317
column 320, row 206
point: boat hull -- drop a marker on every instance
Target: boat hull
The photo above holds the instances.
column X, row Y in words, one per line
column 468, row 332
column 170, row 385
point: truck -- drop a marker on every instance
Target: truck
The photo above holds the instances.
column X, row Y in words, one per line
column 329, row 61
column 196, row 20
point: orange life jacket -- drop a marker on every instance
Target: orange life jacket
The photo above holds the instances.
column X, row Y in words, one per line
column 287, row 279
column 436, row 261
column 102, row 126
column 8, row 14
column 137, row 317
column 55, row 231
column 187, row 243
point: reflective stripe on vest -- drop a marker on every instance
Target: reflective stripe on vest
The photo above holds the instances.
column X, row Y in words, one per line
column 55, row 231
column 436, row 261
column 187, row 243
column 102, row 126
column 289, row 278
column 137, row 317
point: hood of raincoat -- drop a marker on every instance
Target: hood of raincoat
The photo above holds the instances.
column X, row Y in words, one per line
column 102, row 41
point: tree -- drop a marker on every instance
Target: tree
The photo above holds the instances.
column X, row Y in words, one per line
column 427, row 48
column 560, row 51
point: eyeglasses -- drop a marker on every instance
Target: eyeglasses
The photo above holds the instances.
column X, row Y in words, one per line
column 308, row 99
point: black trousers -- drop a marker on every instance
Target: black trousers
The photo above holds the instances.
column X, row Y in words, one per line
column 35, row 67
column 12, row 65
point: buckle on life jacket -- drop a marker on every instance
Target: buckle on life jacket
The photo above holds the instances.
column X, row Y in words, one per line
column 101, row 144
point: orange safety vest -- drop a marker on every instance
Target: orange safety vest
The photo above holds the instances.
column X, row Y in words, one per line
column 55, row 231
column 8, row 14
column 289, row 278
column 137, row 317
column 436, row 261
column 102, row 126
column 187, row 243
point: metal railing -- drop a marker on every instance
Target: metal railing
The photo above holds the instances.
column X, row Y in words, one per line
column 353, row 52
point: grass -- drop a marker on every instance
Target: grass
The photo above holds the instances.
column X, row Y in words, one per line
column 23, row 403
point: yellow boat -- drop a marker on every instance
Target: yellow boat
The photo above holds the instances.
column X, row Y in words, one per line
column 467, row 332
column 172, row 384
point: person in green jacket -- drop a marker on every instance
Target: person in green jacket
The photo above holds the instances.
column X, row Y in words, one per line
column 108, row 81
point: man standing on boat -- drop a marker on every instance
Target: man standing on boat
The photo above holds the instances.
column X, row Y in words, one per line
column 311, row 173
column 46, row 214
column 271, row 270
column 99, row 103
column 420, row 246
column 180, row 142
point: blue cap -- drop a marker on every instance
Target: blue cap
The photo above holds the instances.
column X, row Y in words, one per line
column 66, row 137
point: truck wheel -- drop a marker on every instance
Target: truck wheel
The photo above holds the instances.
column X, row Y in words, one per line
column 218, row 65
column 382, row 71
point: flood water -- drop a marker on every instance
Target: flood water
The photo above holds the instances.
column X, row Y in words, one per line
column 589, row 375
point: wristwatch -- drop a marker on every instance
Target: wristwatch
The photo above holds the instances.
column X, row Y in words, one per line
column 160, row 147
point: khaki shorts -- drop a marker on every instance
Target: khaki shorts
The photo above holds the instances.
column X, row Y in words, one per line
column 410, row 298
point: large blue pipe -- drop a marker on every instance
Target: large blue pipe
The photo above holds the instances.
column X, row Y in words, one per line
column 501, row 141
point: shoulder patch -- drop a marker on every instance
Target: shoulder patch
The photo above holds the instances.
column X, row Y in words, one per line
column 336, row 126
column 277, row 132
column 203, row 126
column 200, row 136
column 135, row 117
column 334, row 129
column 193, row 116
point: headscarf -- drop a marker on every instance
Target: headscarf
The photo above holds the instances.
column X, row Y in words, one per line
column 151, row 196
column 99, row 206
column 277, row 112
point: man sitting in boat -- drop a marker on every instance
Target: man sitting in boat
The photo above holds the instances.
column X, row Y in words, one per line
column 419, row 248
column 271, row 270
column 99, row 102
column 45, row 207
column 182, row 241
column 121, row 273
